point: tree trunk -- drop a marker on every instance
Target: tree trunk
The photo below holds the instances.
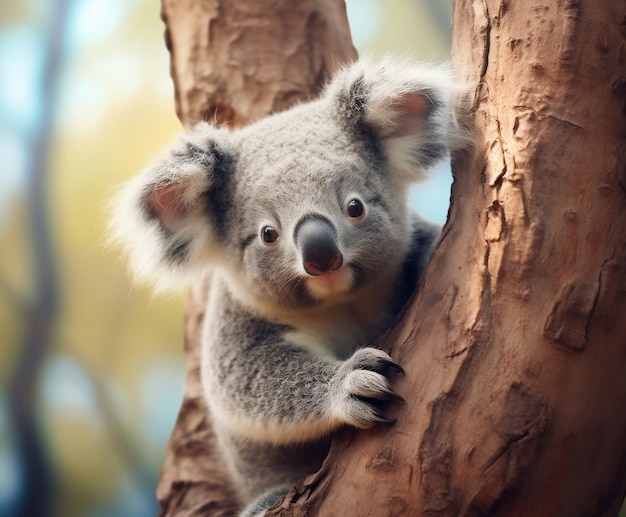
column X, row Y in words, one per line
column 234, row 62
column 515, row 345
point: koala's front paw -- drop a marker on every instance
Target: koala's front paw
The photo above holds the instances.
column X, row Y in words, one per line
column 363, row 388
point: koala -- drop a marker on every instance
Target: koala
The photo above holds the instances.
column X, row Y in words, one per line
column 302, row 222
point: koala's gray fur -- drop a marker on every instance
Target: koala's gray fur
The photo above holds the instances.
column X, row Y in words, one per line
column 282, row 365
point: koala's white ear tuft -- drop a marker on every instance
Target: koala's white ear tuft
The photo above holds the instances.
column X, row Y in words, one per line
column 408, row 108
column 164, row 219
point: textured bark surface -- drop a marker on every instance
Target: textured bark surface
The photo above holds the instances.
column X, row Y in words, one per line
column 515, row 346
column 234, row 62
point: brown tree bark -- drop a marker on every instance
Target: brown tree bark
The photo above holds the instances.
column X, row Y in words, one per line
column 515, row 345
column 234, row 62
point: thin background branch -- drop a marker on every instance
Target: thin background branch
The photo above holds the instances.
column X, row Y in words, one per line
column 36, row 496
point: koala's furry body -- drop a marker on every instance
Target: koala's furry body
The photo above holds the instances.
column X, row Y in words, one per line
column 302, row 220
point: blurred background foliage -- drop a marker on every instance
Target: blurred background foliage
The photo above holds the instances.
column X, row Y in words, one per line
column 91, row 368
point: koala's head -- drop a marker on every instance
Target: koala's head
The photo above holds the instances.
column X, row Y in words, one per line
column 302, row 208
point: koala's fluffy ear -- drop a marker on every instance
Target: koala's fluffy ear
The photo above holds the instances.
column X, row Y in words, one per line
column 407, row 108
column 167, row 218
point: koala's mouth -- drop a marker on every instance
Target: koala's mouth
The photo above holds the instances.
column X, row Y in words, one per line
column 331, row 283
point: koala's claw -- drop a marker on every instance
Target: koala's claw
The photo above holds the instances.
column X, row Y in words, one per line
column 394, row 396
column 386, row 421
column 375, row 360
column 394, row 367
column 364, row 387
column 363, row 413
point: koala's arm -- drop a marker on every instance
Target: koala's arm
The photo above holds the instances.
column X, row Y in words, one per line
column 263, row 386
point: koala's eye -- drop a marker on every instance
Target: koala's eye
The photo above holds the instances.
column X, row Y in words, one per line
column 269, row 235
column 355, row 208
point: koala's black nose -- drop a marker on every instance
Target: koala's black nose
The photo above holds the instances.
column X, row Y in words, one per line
column 317, row 242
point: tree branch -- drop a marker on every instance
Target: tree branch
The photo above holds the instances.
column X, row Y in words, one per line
column 39, row 316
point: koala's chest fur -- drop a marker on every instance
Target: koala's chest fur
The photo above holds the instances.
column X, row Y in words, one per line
column 332, row 330
column 254, row 360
